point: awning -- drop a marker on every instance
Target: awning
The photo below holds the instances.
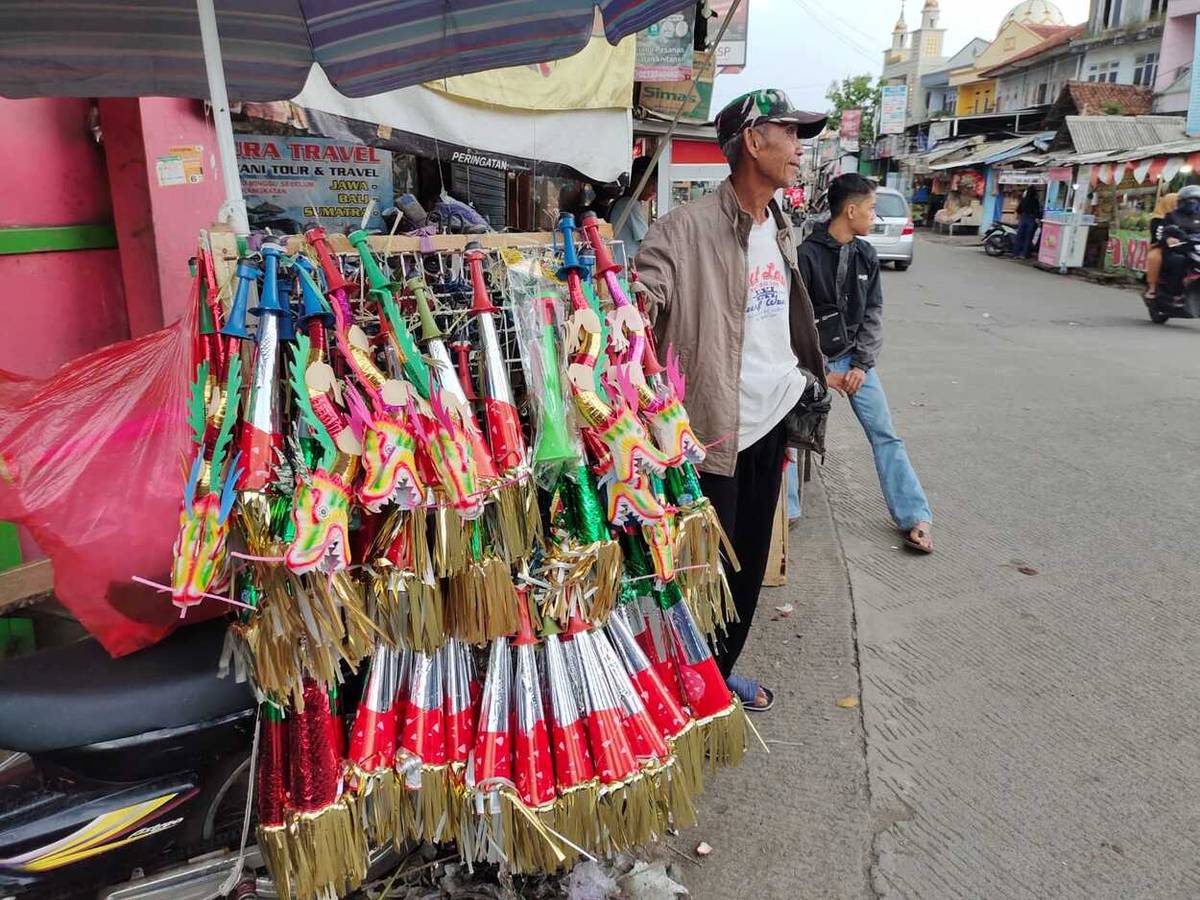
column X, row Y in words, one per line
column 593, row 143
column 105, row 48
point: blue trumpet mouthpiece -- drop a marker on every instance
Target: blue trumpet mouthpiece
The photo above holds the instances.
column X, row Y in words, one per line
column 268, row 299
column 235, row 325
column 566, row 225
column 312, row 300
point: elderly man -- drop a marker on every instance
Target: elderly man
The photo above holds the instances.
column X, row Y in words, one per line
column 721, row 275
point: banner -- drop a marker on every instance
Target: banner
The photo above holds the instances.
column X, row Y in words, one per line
column 290, row 181
column 696, row 95
column 850, row 129
column 893, row 109
column 1128, row 250
column 664, row 50
column 600, row 76
column 1010, row 177
column 731, row 52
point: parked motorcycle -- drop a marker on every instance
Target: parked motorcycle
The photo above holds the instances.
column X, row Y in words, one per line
column 999, row 239
column 119, row 769
column 1181, row 300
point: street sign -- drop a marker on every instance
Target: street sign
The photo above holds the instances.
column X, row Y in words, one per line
column 731, row 52
column 893, row 109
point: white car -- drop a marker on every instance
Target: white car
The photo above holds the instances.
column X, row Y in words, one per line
column 892, row 234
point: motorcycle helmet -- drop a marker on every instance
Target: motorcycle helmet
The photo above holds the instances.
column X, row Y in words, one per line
column 1189, row 200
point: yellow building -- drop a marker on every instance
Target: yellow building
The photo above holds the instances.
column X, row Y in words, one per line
column 1026, row 25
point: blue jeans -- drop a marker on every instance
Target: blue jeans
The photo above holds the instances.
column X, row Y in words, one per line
column 793, row 487
column 1023, row 245
column 901, row 488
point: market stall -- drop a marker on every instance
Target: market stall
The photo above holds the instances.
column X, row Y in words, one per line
column 460, row 468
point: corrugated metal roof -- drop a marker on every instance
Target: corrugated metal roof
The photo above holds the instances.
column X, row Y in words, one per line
column 1093, row 134
column 993, row 152
column 1184, row 147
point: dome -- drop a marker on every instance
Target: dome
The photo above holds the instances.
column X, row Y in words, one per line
column 1035, row 12
column 929, row 5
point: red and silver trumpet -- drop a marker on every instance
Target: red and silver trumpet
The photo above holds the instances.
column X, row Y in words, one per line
column 503, row 423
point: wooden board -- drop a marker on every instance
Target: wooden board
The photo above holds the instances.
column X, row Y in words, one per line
column 777, row 559
column 25, row 584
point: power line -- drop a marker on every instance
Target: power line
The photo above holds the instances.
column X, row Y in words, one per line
column 845, row 38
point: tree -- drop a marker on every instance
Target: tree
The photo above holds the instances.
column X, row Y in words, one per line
column 855, row 92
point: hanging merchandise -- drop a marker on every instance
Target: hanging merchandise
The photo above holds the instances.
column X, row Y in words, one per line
column 463, row 468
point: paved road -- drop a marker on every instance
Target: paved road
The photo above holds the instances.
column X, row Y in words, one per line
column 1022, row 736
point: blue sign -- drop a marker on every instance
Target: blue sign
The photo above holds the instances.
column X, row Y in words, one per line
column 290, row 182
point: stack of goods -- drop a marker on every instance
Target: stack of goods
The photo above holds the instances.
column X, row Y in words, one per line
column 467, row 478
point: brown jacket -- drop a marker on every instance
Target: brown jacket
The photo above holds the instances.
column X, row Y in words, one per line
column 693, row 266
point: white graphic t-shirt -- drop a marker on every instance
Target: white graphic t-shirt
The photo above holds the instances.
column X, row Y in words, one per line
column 771, row 382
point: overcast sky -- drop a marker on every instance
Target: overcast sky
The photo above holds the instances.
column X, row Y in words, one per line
column 802, row 45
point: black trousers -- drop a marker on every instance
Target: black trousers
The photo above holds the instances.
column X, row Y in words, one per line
column 745, row 503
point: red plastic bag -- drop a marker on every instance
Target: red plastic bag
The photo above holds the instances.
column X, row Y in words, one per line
column 91, row 463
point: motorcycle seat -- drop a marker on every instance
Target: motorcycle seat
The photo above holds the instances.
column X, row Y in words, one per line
column 77, row 695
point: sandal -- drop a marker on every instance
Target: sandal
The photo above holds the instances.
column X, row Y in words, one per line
column 919, row 539
column 747, row 690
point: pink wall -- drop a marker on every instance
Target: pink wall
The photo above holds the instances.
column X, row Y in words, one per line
column 157, row 224
column 1179, row 37
column 56, row 305
column 179, row 211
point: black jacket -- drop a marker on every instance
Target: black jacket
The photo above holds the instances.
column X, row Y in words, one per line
column 860, row 303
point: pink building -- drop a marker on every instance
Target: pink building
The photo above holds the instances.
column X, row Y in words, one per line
column 1174, row 84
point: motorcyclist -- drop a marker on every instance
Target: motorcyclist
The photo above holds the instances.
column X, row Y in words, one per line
column 1178, row 230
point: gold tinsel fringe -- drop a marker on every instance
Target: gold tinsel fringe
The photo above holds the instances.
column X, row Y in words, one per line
column 629, row 814
column 304, row 627
column 526, row 839
column 610, row 565
column 688, row 749
column 408, row 610
column 433, row 801
column 328, row 851
column 700, row 543
column 593, row 571
column 274, row 844
column 382, row 805
column 517, row 519
column 725, row 736
column 575, row 816
column 673, row 794
column 451, row 542
column 482, row 602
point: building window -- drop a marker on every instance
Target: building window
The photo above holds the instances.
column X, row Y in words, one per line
column 1105, row 71
column 931, row 45
column 1145, row 69
column 1112, row 13
column 1157, row 7
column 1042, row 90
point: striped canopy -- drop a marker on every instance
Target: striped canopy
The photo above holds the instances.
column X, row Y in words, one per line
column 125, row 48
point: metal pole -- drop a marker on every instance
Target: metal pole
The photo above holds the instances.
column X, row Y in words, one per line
column 662, row 144
column 235, row 204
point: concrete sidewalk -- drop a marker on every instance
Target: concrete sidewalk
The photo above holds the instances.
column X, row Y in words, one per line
column 794, row 824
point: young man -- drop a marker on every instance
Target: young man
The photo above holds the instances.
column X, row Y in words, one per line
column 841, row 273
column 721, row 275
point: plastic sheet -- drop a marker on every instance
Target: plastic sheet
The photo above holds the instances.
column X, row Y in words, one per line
column 91, row 463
